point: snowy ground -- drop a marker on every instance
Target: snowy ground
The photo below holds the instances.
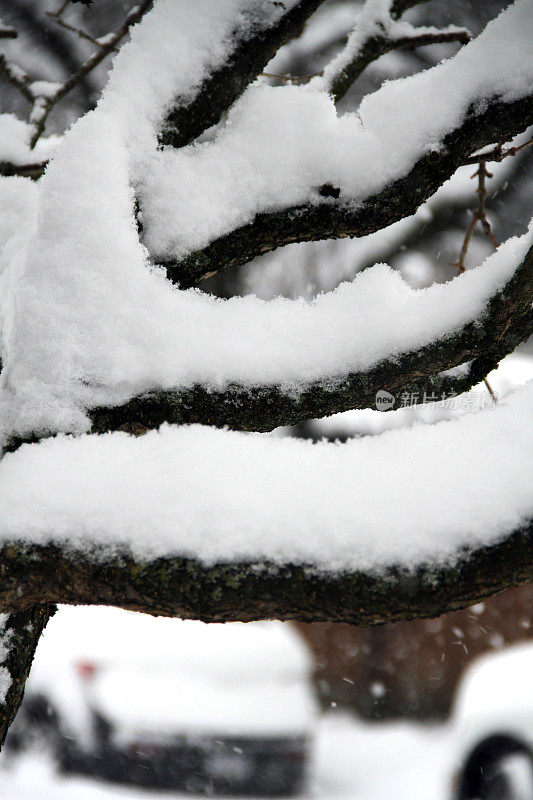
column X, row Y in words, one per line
column 352, row 761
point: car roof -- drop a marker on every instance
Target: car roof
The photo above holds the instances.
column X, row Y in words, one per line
column 497, row 681
column 111, row 635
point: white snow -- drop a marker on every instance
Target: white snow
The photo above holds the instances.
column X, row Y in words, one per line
column 187, row 677
column 512, row 372
column 373, row 20
column 217, row 651
column 88, row 322
column 46, row 89
column 5, row 683
column 281, row 144
column 15, row 137
column 104, row 333
column 405, row 497
column 352, row 761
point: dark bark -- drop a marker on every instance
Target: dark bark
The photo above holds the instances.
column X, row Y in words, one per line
column 33, row 171
column 336, row 219
column 507, row 322
column 224, row 85
column 182, row 587
column 377, row 46
column 19, row 635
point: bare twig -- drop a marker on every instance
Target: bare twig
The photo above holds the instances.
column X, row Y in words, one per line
column 73, row 29
column 497, row 153
column 45, row 104
column 16, row 76
column 479, row 215
column 43, row 101
column 60, row 10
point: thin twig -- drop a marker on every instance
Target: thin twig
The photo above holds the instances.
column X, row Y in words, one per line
column 17, row 77
column 479, row 215
column 291, row 78
column 73, row 29
column 497, row 153
column 59, row 10
column 43, row 105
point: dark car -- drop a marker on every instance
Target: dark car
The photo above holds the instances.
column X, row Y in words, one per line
column 169, row 703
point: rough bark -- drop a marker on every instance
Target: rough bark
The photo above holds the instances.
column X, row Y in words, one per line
column 182, row 587
column 34, row 578
column 332, row 218
column 19, row 635
column 378, row 45
column 224, row 85
column 507, row 322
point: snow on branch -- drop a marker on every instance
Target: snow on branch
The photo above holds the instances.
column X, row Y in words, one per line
column 379, row 528
column 286, row 167
column 252, row 33
column 329, row 215
column 45, row 95
column 111, row 342
column 376, row 32
column 501, row 324
column 149, row 354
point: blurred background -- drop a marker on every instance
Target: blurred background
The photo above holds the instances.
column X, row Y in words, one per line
column 384, row 709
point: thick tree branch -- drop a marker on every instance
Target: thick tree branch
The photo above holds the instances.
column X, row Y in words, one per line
column 245, row 591
column 484, row 342
column 34, row 578
column 224, row 85
column 335, row 219
column 19, row 634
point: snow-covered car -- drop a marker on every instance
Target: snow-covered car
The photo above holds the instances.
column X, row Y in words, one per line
column 206, row 708
column 492, row 728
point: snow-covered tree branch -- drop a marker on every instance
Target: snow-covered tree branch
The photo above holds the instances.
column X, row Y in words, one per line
column 190, row 163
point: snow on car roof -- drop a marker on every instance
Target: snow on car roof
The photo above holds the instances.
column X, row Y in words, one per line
column 109, row 635
column 142, row 706
column 499, row 681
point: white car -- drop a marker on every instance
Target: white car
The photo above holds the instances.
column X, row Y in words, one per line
column 492, row 727
column 208, row 708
